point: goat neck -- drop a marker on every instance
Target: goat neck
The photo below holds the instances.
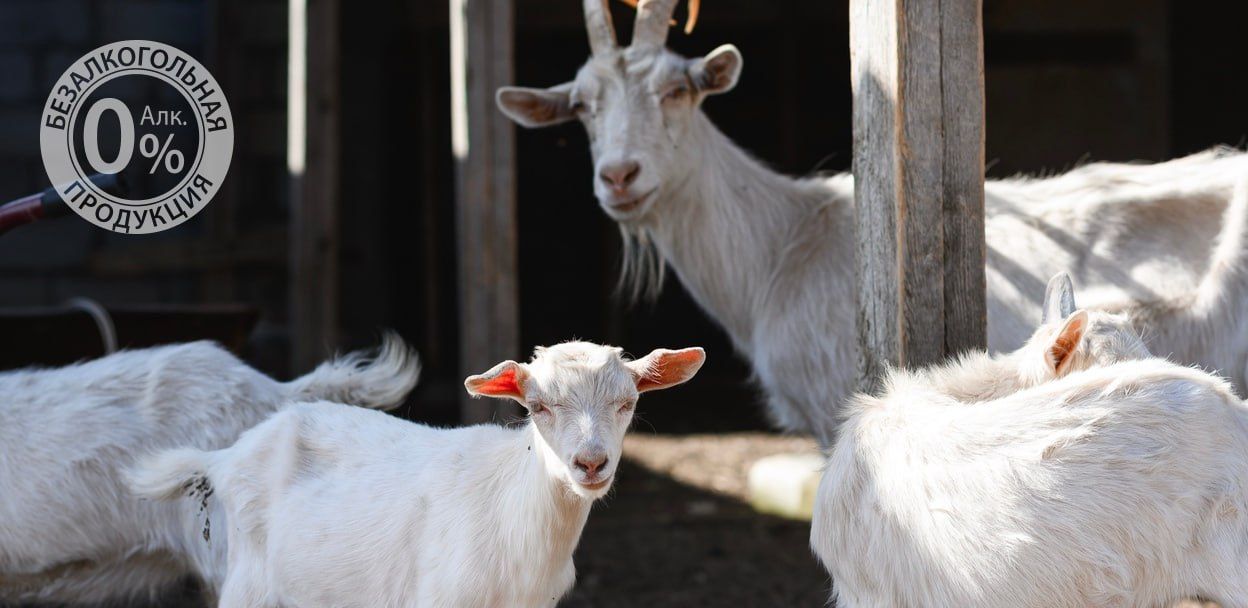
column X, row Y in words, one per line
column 726, row 229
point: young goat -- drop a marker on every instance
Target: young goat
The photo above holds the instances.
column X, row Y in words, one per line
column 1077, row 471
column 335, row 506
column 1068, row 340
column 70, row 531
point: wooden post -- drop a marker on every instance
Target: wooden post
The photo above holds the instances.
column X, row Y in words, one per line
column 918, row 81
column 220, row 284
column 482, row 140
column 312, row 159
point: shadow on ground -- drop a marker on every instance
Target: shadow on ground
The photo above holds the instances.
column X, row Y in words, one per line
column 657, row 543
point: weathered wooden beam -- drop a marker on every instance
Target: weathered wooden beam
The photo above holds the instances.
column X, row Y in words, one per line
column 917, row 71
column 313, row 107
column 221, row 225
column 483, row 142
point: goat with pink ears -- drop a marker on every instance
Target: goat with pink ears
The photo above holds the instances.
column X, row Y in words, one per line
column 335, row 506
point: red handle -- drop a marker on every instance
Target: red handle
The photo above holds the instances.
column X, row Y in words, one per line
column 21, row 211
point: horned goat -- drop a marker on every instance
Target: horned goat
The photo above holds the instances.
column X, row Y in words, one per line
column 771, row 258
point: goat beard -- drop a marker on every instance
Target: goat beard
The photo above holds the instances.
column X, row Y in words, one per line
column 642, row 267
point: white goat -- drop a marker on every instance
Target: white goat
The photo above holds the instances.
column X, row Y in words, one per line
column 771, row 257
column 1030, row 454
column 336, row 506
column 1069, row 339
column 1122, row 485
column 70, row 531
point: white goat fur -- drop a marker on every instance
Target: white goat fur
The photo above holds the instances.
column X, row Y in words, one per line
column 771, row 257
column 898, row 523
column 70, row 531
column 336, row 506
column 1118, row 486
column 1099, row 338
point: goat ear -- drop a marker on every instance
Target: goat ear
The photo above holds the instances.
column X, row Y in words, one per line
column 1059, row 298
column 536, row 107
column 718, row 71
column 503, row 380
column 664, row 368
column 1061, row 351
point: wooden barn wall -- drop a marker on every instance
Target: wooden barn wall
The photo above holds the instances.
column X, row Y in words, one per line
column 1067, row 81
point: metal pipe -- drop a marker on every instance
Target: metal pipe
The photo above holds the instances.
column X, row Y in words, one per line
column 49, row 204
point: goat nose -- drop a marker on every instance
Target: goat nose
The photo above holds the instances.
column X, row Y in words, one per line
column 590, row 464
column 620, row 175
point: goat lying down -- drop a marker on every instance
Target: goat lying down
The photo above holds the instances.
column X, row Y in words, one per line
column 1069, row 339
column 70, row 531
column 1095, row 476
column 337, row 506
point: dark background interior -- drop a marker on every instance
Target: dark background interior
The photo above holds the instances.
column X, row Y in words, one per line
column 1067, row 81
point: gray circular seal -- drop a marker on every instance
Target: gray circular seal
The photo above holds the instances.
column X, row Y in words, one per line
column 150, row 114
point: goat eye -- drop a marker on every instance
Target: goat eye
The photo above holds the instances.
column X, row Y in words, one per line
column 536, row 408
column 675, row 93
column 626, row 406
column 577, row 107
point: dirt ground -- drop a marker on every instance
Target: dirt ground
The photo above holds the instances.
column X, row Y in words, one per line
column 676, row 531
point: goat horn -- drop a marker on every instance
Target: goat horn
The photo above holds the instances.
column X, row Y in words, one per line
column 598, row 24
column 690, row 21
column 653, row 19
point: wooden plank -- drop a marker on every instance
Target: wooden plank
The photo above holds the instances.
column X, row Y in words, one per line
column 918, row 145
column 484, row 147
column 962, row 69
column 438, row 336
column 917, row 75
column 873, row 64
column 227, row 56
column 313, row 107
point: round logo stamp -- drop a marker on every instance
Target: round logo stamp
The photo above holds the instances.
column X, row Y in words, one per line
column 143, row 114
